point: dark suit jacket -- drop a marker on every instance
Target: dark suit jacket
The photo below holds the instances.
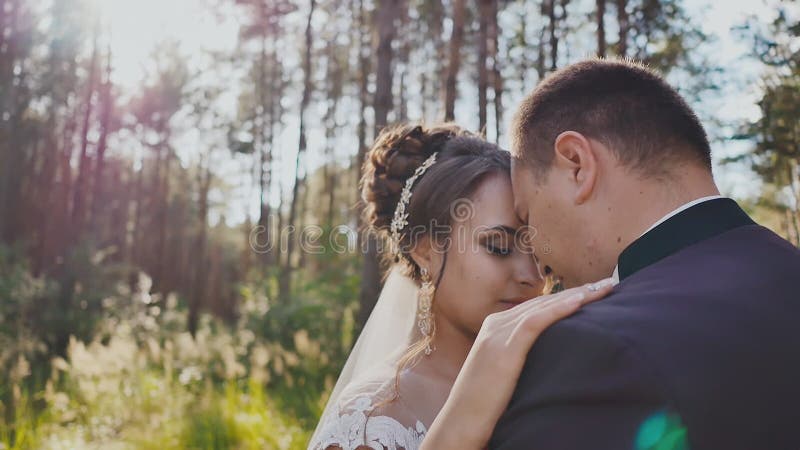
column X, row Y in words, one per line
column 698, row 347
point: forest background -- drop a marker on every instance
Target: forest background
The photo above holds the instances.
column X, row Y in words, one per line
column 182, row 263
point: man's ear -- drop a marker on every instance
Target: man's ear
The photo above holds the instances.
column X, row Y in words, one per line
column 576, row 156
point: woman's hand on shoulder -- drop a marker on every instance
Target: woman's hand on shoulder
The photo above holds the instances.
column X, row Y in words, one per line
column 487, row 380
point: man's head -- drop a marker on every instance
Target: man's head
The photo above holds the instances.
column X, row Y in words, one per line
column 601, row 149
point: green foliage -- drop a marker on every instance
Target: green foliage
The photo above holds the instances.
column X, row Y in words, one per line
column 20, row 290
column 40, row 314
column 133, row 377
column 315, row 330
column 142, row 381
column 20, row 432
column 240, row 418
column 775, row 135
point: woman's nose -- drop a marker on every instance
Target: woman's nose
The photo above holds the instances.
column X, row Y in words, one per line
column 529, row 274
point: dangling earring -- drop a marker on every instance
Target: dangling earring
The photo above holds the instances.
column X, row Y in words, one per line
column 424, row 314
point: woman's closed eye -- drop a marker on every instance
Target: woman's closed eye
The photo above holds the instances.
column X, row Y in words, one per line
column 498, row 250
column 498, row 243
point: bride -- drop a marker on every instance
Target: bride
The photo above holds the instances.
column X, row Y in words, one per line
column 438, row 359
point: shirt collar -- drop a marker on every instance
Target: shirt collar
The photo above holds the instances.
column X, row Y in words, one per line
column 668, row 216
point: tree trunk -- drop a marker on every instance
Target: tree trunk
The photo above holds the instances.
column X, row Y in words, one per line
column 284, row 283
column 385, row 17
column 484, row 11
column 7, row 57
column 136, row 233
column 454, row 61
column 60, row 201
column 334, row 92
column 84, row 169
column 553, row 21
column 385, row 24
column 199, row 282
column 405, row 51
column 436, row 24
column 601, row 28
column 497, row 77
column 9, row 12
column 541, row 67
column 163, row 194
column 106, row 110
column 624, row 27
column 275, row 114
column 363, row 90
column 264, row 121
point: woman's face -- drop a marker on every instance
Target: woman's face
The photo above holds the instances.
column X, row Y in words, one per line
column 490, row 264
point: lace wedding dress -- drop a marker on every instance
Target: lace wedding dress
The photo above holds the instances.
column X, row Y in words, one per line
column 355, row 426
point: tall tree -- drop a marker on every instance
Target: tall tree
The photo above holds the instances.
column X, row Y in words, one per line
column 552, row 20
column 335, row 65
column 433, row 49
column 62, row 61
column 18, row 36
column 84, row 162
column 370, row 278
column 404, row 35
column 454, row 59
column 624, row 27
column 260, row 105
column 109, row 123
column 485, row 8
column 776, row 134
column 362, row 49
column 601, row 28
column 286, row 270
column 387, row 12
column 497, row 76
column 154, row 109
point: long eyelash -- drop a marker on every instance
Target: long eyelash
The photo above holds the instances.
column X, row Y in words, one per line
column 498, row 251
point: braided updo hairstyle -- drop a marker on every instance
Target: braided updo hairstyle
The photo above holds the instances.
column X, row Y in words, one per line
column 464, row 160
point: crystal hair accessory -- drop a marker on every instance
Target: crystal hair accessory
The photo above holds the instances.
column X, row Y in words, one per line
column 400, row 219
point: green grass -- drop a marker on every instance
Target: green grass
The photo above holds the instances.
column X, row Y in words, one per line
column 139, row 380
column 230, row 416
column 119, row 395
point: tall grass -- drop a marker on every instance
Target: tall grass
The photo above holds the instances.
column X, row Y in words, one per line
column 118, row 396
column 138, row 380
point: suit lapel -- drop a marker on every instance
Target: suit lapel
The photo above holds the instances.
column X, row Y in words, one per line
column 695, row 224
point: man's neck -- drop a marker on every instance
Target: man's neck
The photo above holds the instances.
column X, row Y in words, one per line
column 615, row 274
column 652, row 204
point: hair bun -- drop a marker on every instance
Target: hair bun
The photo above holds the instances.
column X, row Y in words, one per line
column 398, row 151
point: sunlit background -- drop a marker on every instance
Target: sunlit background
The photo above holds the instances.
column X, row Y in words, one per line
column 136, row 30
column 150, row 150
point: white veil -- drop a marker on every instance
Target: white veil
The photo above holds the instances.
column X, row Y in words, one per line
column 385, row 338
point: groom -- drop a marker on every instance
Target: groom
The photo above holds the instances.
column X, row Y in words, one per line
column 699, row 345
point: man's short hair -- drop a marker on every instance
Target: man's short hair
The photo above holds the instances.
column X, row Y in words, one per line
column 623, row 104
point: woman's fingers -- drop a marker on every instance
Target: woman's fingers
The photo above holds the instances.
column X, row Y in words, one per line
column 581, row 294
column 599, row 289
column 536, row 318
column 535, row 315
